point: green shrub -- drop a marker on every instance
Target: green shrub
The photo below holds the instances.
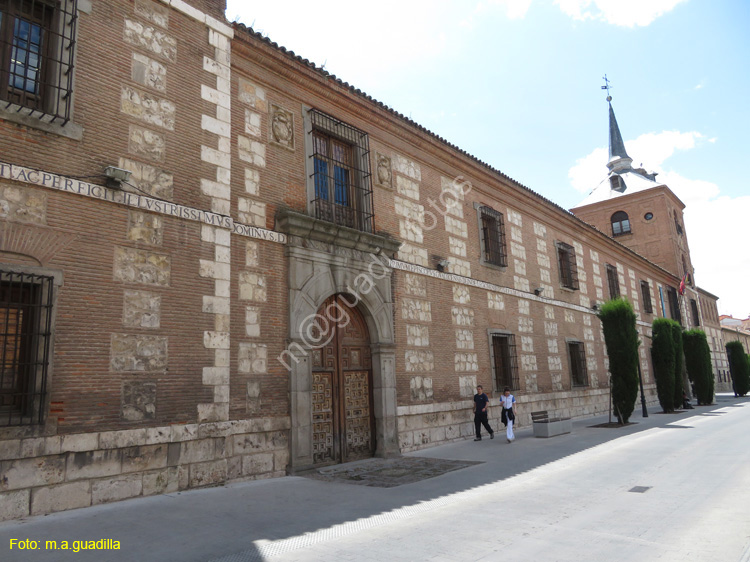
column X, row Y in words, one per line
column 621, row 337
column 739, row 366
column 698, row 363
column 678, row 364
column 663, row 358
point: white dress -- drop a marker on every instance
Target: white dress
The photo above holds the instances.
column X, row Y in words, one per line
column 507, row 402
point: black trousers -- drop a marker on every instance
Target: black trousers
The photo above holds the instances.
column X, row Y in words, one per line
column 480, row 419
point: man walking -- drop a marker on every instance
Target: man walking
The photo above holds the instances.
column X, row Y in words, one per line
column 480, row 414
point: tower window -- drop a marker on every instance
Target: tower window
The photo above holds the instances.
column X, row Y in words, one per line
column 620, row 223
column 617, row 183
column 648, row 216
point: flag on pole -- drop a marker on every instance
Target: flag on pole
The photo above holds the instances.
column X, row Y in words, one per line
column 682, row 285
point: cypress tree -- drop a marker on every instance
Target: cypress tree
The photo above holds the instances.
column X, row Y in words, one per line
column 739, row 367
column 621, row 338
column 663, row 358
column 678, row 364
column 698, row 363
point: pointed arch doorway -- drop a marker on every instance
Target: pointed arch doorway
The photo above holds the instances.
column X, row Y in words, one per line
column 342, row 398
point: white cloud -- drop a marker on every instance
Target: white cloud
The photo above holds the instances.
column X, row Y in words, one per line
column 589, row 171
column 651, row 149
column 714, row 223
column 406, row 33
column 628, row 13
column 514, row 10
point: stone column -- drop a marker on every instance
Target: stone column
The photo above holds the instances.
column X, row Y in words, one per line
column 384, row 399
column 301, row 436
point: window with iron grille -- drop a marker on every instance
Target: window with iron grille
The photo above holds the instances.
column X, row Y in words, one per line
column 566, row 259
column 677, row 225
column 493, row 237
column 339, row 170
column 694, row 310
column 25, row 323
column 613, row 282
column 37, row 44
column 504, row 361
column 674, row 305
column 646, row 292
column 578, row 373
column 620, row 223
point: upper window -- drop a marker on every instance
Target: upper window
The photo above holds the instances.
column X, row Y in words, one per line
column 504, row 361
column 694, row 311
column 566, row 259
column 620, row 223
column 613, row 282
column 674, row 305
column 578, row 372
column 648, row 216
column 339, row 170
column 36, row 57
column 25, row 321
column 493, row 237
column 646, row 292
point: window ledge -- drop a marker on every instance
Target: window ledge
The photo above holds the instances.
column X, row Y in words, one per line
column 19, row 115
column 501, row 268
column 305, row 226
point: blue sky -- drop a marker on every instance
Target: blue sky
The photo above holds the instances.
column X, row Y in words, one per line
column 517, row 83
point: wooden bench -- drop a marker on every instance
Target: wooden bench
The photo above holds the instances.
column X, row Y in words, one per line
column 546, row 426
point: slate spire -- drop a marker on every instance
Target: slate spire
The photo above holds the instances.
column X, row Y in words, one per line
column 618, row 156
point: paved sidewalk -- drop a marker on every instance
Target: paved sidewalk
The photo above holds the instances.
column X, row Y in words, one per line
column 260, row 519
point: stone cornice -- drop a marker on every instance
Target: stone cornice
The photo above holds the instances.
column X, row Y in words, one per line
column 306, row 227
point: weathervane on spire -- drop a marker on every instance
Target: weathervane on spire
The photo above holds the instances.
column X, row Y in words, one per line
column 607, row 87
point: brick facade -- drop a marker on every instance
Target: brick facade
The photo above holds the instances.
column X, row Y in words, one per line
column 177, row 351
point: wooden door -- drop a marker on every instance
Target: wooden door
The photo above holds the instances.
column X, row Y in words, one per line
column 342, row 416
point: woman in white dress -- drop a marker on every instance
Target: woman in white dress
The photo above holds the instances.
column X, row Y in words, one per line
column 509, row 412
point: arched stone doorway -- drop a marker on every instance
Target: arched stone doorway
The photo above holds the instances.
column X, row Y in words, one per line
column 342, row 413
column 326, row 260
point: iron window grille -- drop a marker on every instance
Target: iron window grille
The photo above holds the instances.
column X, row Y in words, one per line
column 493, row 237
column 612, row 282
column 694, row 310
column 578, row 373
column 646, row 292
column 25, row 330
column 674, row 305
column 341, row 175
column 505, row 361
column 620, row 223
column 566, row 259
column 37, row 46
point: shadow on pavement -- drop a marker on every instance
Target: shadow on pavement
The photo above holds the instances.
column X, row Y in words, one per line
column 242, row 522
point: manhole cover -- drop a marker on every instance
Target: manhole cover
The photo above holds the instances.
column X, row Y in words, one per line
column 640, row 489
